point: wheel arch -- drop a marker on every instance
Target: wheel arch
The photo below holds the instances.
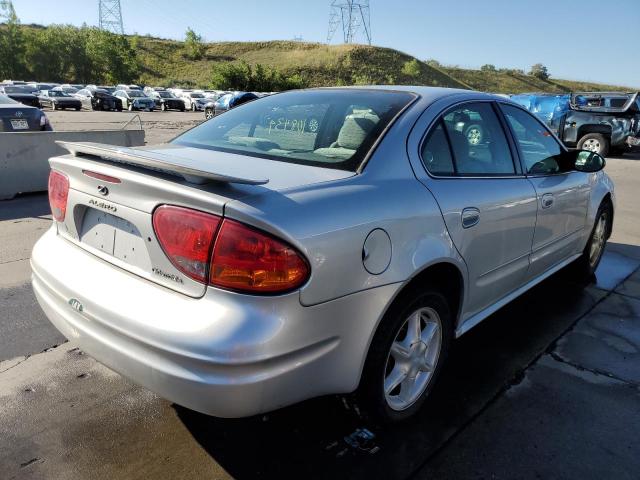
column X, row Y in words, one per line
column 443, row 274
column 594, row 128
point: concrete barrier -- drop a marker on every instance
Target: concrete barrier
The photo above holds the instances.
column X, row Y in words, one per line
column 24, row 157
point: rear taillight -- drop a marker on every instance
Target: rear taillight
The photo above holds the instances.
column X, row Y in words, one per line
column 58, row 194
column 247, row 260
column 226, row 253
column 186, row 236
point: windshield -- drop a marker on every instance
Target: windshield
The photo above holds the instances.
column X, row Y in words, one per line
column 329, row 128
column 196, row 95
column 57, row 93
column 164, row 94
column 10, row 89
column 136, row 93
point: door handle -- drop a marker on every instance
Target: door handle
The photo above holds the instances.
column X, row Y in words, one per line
column 547, row 200
column 470, row 217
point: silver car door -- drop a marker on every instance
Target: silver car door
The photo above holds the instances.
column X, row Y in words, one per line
column 562, row 193
column 489, row 207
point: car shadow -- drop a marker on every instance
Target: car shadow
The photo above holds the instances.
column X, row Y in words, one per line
column 309, row 440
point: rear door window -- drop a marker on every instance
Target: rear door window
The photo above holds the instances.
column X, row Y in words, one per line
column 478, row 142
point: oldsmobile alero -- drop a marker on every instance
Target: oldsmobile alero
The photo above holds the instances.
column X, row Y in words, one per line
column 324, row 241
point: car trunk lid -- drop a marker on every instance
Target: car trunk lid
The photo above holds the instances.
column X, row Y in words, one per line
column 114, row 191
column 19, row 119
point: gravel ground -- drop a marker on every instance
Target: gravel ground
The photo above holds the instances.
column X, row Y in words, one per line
column 160, row 127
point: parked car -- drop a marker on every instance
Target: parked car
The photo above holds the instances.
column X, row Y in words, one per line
column 107, row 88
column 166, row 100
column 135, row 100
column 98, row 100
column 16, row 117
column 261, row 261
column 600, row 122
column 46, row 86
column 227, row 102
column 59, row 100
column 19, row 94
column 195, row 101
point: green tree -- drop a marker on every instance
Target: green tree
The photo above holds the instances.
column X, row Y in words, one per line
column 114, row 57
column 539, row 71
column 488, row 68
column 193, row 44
column 411, row 68
column 258, row 78
column 12, row 48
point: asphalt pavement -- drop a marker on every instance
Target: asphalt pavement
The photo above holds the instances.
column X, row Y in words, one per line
column 548, row 387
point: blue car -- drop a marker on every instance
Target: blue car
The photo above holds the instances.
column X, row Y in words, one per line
column 227, row 102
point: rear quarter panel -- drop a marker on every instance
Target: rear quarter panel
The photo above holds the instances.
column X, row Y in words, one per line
column 329, row 222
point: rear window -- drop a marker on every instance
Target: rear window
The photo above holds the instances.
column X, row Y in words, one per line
column 327, row 128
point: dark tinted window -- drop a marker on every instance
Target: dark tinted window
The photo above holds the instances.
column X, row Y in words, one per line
column 436, row 153
column 329, row 128
column 540, row 152
column 478, row 141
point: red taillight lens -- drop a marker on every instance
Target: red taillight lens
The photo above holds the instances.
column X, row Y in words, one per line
column 58, row 194
column 186, row 236
column 247, row 260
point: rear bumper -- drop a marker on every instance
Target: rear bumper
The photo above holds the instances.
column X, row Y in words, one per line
column 224, row 354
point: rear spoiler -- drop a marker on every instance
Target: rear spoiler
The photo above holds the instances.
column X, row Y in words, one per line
column 190, row 170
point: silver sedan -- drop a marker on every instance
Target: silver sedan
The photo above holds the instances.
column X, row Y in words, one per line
column 325, row 241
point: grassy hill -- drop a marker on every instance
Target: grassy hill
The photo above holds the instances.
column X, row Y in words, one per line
column 164, row 63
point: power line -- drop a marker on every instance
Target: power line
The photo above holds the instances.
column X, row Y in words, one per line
column 354, row 17
column 110, row 16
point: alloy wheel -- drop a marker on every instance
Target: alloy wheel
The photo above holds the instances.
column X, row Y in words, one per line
column 598, row 240
column 413, row 358
column 592, row 145
column 474, row 136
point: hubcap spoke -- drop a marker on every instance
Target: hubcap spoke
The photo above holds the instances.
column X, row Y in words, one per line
column 415, row 328
column 399, row 352
column 394, row 379
column 429, row 332
column 407, row 388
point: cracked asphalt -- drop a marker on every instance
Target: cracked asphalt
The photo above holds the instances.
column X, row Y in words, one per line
column 548, row 387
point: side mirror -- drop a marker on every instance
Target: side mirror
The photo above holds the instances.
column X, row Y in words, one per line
column 588, row 162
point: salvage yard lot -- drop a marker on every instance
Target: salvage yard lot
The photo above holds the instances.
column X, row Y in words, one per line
column 546, row 388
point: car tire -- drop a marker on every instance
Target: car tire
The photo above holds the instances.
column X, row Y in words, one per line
column 53, row 107
column 130, row 107
column 78, row 109
column 163, row 107
column 585, row 266
column 193, row 107
column 595, row 142
column 208, row 113
column 474, row 134
column 428, row 308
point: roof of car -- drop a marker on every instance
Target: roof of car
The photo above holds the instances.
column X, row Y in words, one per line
column 428, row 93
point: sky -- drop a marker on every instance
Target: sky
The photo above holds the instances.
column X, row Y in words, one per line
column 587, row 40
